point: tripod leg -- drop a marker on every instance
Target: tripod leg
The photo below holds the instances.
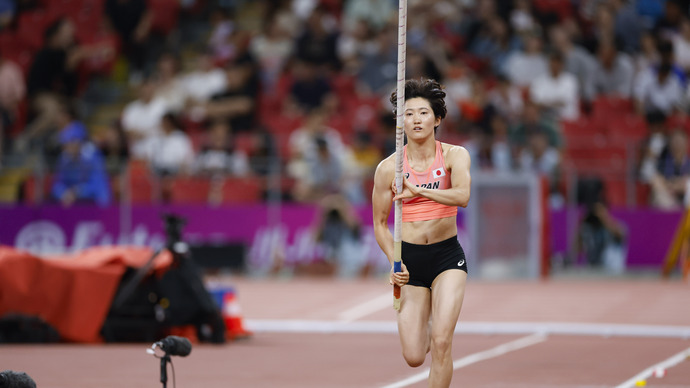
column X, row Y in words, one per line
column 129, row 288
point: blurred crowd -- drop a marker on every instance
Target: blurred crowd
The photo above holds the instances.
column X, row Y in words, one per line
column 298, row 89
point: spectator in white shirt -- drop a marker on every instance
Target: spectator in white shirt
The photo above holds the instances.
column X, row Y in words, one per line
column 681, row 45
column 523, row 67
column 539, row 157
column 141, row 119
column 169, row 82
column 614, row 72
column 577, row 61
column 272, row 50
column 661, row 87
column 205, row 81
column 218, row 158
column 658, row 89
column 171, row 152
column 557, row 90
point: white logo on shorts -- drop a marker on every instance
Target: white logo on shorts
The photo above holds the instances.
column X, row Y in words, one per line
column 461, row 262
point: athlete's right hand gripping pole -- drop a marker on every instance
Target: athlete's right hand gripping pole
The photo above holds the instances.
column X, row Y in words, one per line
column 399, row 136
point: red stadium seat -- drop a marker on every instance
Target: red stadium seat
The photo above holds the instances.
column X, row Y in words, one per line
column 31, row 26
column 366, row 112
column 38, row 191
column 583, row 133
column 88, row 19
column 678, row 122
column 245, row 142
column 607, row 106
column 13, row 49
column 242, row 190
column 562, row 8
column 141, row 190
column 616, row 192
column 343, row 86
column 140, row 183
column 103, row 64
column 642, row 194
column 190, row 190
column 271, row 104
column 343, row 124
column 279, row 125
column 626, row 129
column 594, row 159
column 165, row 15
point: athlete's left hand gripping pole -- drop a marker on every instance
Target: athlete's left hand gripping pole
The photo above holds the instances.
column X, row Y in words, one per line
column 399, row 142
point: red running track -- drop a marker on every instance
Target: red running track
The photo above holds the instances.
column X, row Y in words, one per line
column 331, row 333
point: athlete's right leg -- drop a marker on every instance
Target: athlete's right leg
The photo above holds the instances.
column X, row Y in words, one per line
column 413, row 323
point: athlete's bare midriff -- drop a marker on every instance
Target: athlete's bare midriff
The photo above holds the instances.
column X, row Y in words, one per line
column 429, row 231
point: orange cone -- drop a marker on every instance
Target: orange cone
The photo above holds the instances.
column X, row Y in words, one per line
column 232, row 315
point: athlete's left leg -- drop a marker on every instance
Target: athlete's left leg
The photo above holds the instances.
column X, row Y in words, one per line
column 447, row 293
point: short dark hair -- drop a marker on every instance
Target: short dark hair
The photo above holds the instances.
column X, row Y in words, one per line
column 427, row 89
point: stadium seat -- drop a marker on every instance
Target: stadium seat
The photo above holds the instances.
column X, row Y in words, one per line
column 278, row 124
column 366, row 112
column 31, row 26
column 190, row 190
column 140, row 182
column 271, row 104
column 562, row 8
column 606, row 106
column 343, row 124
column 678, row 122
column 343, row 85
column 245, row 142
column 165, row 15
column 616, row 192
column 607, row 159
column 622, row 130
column 583, row 133
column 242, row 190
column 13, row 49
column 100, row 65
column 141, row 190
column 37, row 191
column 642, row 194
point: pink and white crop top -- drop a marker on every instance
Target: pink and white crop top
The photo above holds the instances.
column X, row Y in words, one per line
column 436, row 178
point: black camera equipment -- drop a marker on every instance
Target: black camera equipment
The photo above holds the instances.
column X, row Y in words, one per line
column 146, row 305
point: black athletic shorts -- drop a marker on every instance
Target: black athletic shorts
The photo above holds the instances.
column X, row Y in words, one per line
column 426, row 262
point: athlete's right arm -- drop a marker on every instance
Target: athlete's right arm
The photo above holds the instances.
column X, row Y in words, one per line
column 382, row 199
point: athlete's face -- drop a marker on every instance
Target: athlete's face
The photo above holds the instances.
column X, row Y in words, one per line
column 419, row 118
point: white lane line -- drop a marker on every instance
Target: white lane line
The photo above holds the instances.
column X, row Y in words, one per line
column 499, row 350
column 367, row 308
column 666, row 364
column 487, row 328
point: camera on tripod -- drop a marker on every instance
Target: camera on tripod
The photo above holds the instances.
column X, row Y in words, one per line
column 173, row 233
column 173, row 227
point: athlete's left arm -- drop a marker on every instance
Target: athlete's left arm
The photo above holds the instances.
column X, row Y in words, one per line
column 458, row 162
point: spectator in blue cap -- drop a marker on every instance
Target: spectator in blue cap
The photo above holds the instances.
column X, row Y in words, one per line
column 80, row 173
